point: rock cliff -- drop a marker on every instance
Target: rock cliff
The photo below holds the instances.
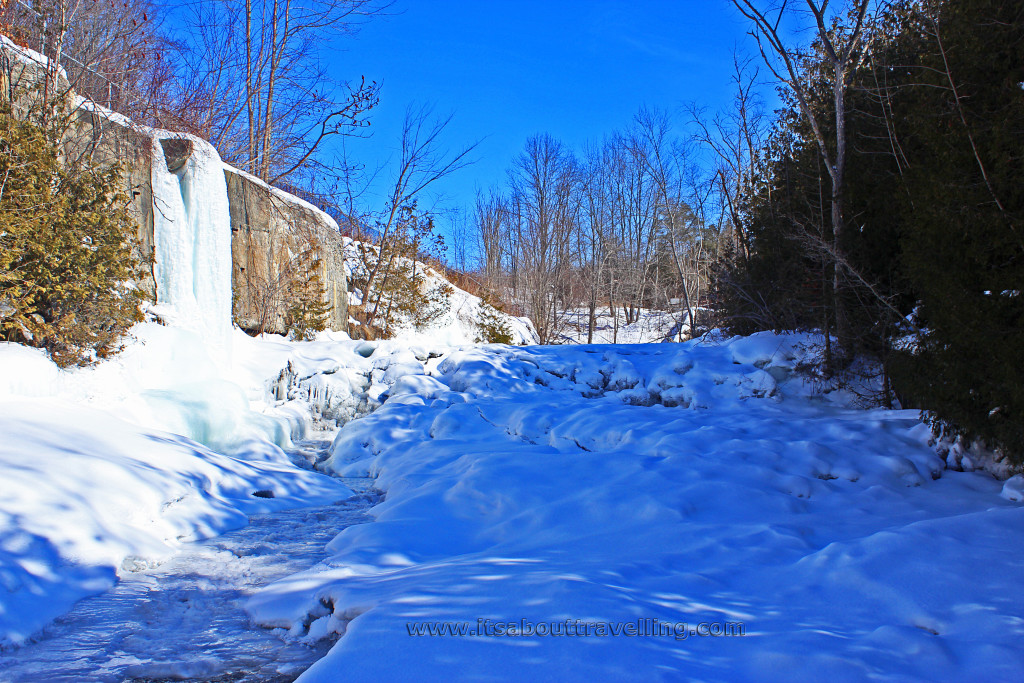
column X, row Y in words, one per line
column 269, row 227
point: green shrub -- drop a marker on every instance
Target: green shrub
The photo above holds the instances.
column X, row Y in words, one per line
column 66, row 241
column 405, row 290
column 308, row 312
column 494, row 327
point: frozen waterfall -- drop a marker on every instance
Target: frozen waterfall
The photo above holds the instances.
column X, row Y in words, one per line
column 192, row 239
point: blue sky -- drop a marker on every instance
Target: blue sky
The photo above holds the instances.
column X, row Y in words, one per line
column 576, row 69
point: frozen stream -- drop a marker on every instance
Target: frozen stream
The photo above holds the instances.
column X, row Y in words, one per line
column 183, row 620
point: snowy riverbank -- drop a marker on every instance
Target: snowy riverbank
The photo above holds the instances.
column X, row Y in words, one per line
column 576, row 486
column 111, row 468
column 696, row 484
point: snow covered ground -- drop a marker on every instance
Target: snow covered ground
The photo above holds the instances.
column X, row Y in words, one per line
column 184, row 619
column 109, row 470
column 86, row 495
column 459, row 324
column 584, row 488
column 573, row 490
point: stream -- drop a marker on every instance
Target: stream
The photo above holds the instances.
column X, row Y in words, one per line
column 183, row 620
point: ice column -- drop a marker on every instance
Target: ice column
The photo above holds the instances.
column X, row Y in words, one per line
column 192, row 239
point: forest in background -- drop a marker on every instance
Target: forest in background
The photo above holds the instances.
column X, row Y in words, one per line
column 881, row 203
column 887, row 207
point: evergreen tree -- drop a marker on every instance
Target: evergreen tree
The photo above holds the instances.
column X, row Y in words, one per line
column 493, row 327
column 66, row 240
column 934, row 201
column 963, row 246
column 308, row 312
column 405, row 291
column 784, row 282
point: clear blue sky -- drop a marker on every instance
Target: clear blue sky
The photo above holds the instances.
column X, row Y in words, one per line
column 576, row 69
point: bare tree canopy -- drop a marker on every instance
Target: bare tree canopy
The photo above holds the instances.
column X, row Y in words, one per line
column 622, row 227
column 251, row 78
column 112, row 52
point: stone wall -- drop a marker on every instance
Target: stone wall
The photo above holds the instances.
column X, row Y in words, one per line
column 268, row 226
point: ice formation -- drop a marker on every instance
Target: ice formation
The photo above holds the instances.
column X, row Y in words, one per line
column 192, row 235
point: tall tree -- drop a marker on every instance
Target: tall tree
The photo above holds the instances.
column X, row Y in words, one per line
column 839, row 37
column 252, row 79
column 544, row 215
column 111, row 52
column 962, row 132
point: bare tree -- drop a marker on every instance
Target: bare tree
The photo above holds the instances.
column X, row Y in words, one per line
column 543, row 216
column 735, row 138
column 251, row 79
column 666, row 162
column 422, row 160
column 624, row 225
column 634, row 210
column 110, row 53
column 840, row 36
column 489, row 219
column 595, row 237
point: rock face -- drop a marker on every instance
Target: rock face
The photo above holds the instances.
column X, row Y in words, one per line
column 110, row 142
column 269, row 227
column 270, row 231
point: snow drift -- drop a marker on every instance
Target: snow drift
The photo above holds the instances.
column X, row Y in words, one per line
column 86, row 495
column 691, row 484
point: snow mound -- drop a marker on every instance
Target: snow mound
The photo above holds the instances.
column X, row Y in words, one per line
column 459, row 325
column 86, row 496
column 688, row 484
column 1013, row 489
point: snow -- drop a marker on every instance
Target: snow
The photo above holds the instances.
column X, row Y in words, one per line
column 86, row 495
column 650, row 326
column 1013, row 489
column 28, row 55
column 460, row 324
column 192, row 235
column 183, row 618
column 104, row 464
column 698, row 483
column 706, row 486
column 112, row 467
column 685, row 483
column 110, row 115
column 598, row 485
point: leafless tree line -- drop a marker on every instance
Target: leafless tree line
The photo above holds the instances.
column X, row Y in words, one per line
column 250, row 77
column 245, row 74
column 631, row 223
column 109, row 51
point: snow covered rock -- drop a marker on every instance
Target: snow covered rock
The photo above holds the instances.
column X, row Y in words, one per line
column 1013, row 488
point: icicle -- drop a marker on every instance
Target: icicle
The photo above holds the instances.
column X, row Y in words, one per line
column 192, row 236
